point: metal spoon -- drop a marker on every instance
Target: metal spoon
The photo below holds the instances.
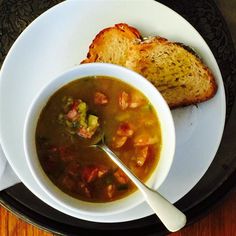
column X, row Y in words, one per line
column 171, row 217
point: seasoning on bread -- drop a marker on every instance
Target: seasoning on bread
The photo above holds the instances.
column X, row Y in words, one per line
column 177, row 72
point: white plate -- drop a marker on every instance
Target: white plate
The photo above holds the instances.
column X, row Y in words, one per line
column 58, row 40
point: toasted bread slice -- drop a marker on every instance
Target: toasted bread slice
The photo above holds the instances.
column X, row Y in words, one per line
column 179, row 75
column 111, row 45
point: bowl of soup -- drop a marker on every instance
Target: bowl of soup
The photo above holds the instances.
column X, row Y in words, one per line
column 72, row 112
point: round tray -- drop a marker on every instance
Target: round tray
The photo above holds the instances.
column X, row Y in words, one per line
column 218, row 180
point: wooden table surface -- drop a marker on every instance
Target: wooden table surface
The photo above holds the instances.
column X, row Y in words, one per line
column 220, row 221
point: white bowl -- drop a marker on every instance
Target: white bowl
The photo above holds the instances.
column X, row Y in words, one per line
column 130, row 77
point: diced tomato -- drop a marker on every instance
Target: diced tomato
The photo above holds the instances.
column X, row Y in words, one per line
column 119, row 141
column 72, row 114
column 75, row 104
column 125, row 129
column 141, row 154
column 92, row 175
column 73, row 169
column 110, row 190
column 85, row 133
column 144, row 140
column 89, row 173
column 124, row 100
column 100, row 98
column 121, row 177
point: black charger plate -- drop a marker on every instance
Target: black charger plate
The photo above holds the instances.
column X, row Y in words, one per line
column 220, row 178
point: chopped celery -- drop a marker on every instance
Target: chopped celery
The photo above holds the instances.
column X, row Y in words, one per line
column 82, row 120
column 92, row 122
column 82, row 107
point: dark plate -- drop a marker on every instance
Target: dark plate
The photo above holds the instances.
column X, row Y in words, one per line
column 218, row 180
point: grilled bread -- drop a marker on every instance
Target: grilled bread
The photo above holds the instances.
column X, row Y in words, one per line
column 112, row 44
column 177, row 72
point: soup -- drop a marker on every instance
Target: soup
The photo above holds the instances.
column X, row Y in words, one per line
column 75, row 116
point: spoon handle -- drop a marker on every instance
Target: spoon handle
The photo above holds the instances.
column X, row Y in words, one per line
column 170, row 216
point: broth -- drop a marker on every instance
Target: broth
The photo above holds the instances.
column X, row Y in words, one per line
column 74, row 117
